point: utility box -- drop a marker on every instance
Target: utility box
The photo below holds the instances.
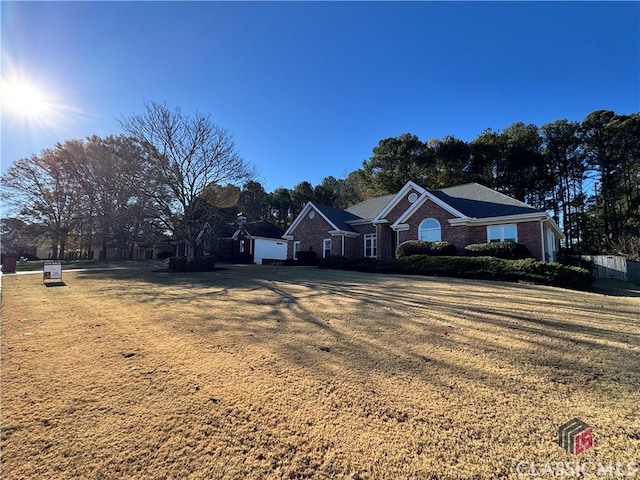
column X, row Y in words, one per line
column 9, row 264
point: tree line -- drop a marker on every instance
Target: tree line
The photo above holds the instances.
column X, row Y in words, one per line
column 586, row 174
column 168, row 174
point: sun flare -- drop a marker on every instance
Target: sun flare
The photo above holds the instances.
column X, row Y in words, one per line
column 24, row 98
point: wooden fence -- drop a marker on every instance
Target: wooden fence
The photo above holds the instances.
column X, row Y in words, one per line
column 613, row 266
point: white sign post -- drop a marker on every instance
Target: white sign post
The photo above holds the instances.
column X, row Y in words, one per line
column 52, row 271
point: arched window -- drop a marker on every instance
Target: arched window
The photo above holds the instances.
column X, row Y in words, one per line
column 429, row 230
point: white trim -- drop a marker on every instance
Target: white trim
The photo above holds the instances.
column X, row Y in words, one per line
column 421, row 201
column 397, row 197
column 551, row 245
column 523, row 217
column 264, row 238
column 293, row 252
column 554, row 226
column 520, row 218
column 401, row 227
column 502, row 226
column 236, row 233
column 248, row 235
column 439, row 229
column 359, row 221
column 544, row 257
column 374, row 237
column 343, row 232
column 324, row 247
column 205, row 228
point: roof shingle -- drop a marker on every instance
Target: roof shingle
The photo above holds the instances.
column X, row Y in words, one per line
column 337, row 216
column 477, row 201
column 263, row 229
column 370, row 207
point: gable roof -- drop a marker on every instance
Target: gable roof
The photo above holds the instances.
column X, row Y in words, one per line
column 477, row 201
column 221, row 230
column 370, row 207
column 262, row 229
column 398, row 196
column 337, row 217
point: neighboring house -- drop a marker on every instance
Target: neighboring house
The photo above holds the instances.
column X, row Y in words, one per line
column 463, row 215
column 258, row 241
column 210, row 241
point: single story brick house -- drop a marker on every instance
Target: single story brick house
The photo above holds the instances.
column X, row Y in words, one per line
column 463, row 215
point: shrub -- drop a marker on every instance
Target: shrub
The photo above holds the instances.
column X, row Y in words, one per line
column 480, row 268
column 177, row 263
column 553, row 274
column 202, row 264
column 181, row 264
column 506, row 250
column 485, row 268
column 307, row 257
column 421, row 247
column 164, row 255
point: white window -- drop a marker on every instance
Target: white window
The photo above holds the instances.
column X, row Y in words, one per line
column 241, row 246
column 429, row 230
column 296, row 249
column 502, row 233
column 370, row 245
column 326, row 247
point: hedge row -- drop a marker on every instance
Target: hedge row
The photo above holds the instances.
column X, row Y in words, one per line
column 506, row 250
column 181, row 264
column 421, row 247
column 481, row 268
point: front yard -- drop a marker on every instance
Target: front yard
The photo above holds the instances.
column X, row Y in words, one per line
column 272, row 372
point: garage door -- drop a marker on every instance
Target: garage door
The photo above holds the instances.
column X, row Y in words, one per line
column 271, row 249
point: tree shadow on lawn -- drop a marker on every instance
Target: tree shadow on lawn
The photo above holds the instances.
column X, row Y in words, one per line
column 292, row 324
column 616, row 288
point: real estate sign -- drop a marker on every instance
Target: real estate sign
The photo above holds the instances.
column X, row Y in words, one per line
column 52, row 271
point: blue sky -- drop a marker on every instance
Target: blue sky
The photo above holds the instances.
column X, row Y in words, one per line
column 308, row 89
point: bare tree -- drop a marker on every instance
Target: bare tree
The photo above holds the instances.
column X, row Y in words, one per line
column 44, row 190
column 111, row 173
column 191, row 154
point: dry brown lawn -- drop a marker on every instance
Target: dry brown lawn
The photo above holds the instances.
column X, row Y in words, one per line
column 274, row 372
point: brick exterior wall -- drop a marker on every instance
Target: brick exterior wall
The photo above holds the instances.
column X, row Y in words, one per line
column 353, row 247
column 455, row 235
column 461, row 236
column 529, row 234
column 310, row 232
column 386, row 241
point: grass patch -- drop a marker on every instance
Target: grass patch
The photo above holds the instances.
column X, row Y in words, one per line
column 37, row 265
column 274, row 372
